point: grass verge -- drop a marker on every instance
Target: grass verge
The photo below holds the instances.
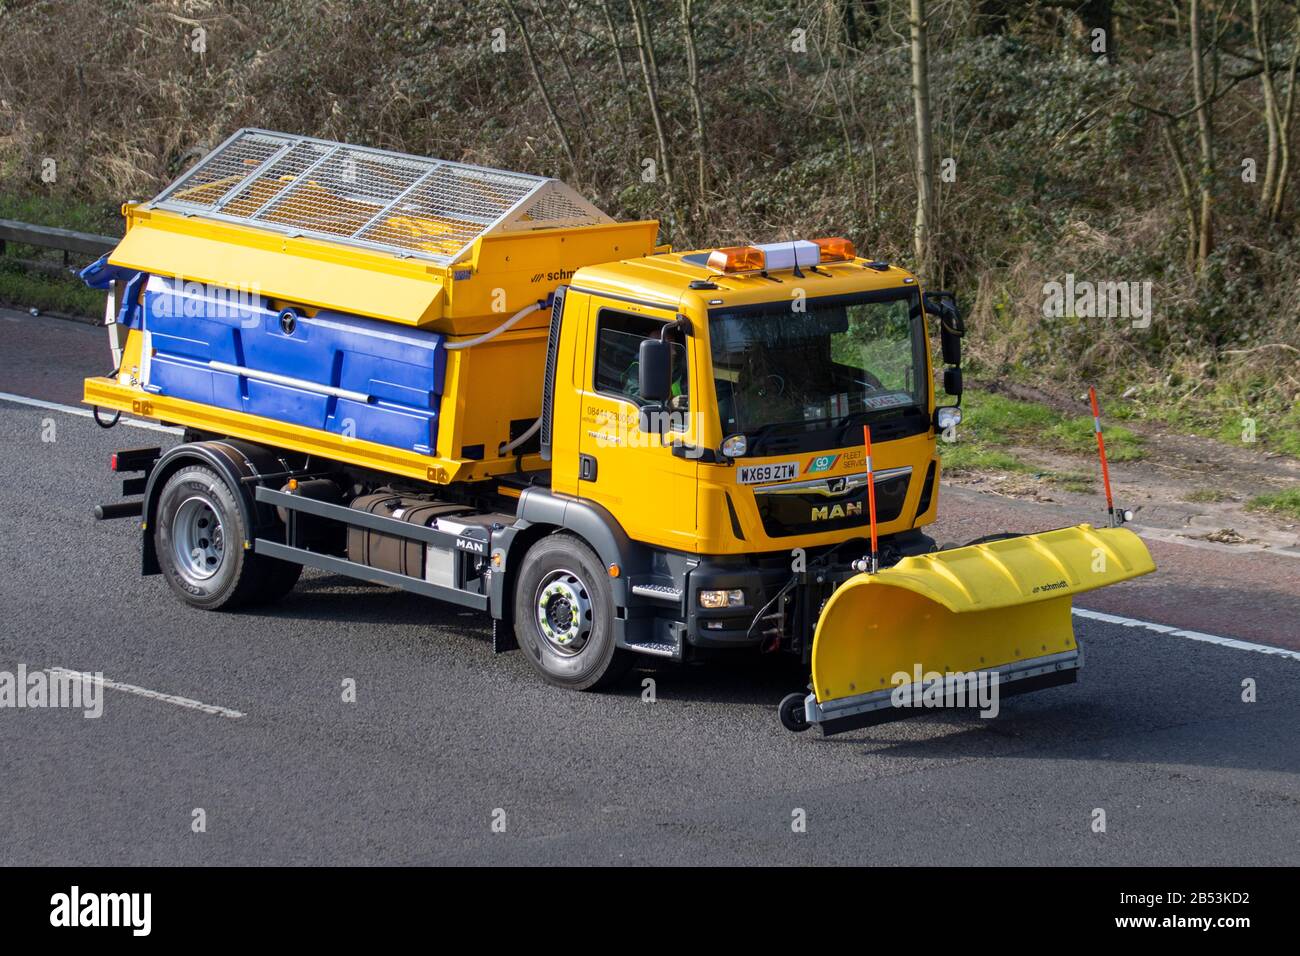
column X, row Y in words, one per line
column 55, row 291
column 993, row 424
column 1277, row 502
column 1238, row 411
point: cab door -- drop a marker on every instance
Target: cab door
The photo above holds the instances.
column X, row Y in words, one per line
column 632, row 472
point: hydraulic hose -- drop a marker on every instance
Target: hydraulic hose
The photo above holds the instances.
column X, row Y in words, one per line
column 506, row 326
column 532, row 430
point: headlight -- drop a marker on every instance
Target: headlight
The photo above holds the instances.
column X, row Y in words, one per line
column 716, row 600
column 735, row 446
column 949, row 416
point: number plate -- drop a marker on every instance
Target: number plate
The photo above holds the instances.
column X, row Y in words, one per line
column 777, row 471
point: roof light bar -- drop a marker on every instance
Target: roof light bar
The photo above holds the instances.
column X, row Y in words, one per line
column 773, row 256
column 836, row 249
column 737, row 259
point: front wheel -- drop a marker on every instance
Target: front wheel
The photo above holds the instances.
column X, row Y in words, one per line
column 564, row 615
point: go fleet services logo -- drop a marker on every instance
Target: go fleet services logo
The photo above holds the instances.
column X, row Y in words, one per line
column 820, row 463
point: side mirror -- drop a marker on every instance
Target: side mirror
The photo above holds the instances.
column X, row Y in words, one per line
column 949, row 344
column 654, row 371
column 951, row 326
column 952, row 381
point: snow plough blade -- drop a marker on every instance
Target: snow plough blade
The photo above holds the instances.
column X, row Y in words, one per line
column 997, row 608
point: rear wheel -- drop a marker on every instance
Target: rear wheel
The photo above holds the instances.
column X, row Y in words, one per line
column 564, row 615
column 279, row 579
column 199, row 536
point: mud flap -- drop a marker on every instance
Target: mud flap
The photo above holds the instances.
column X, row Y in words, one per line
column 1000, row 608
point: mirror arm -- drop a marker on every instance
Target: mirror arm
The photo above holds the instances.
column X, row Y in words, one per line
column 681, row 322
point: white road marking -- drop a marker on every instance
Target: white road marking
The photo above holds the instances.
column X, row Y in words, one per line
column 84, row 412
column 1190, row 635
column 212, row 709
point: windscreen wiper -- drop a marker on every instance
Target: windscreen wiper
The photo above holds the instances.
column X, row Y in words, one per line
column 856, row 418
column 764, row 432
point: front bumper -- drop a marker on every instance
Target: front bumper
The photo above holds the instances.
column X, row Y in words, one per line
column 782, row 597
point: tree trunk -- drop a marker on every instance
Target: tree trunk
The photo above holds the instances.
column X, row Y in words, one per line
column 557, row 44
column 541, row 87
column 645, row 52
column 1205, row 138
column 1272, row 115
column 1284, row 127
column 624, row 79
column 697, row 106
column 1169, row 130
column 859, row 28
column 924, row 149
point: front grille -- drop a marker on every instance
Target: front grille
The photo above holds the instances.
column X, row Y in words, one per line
column 787, row 514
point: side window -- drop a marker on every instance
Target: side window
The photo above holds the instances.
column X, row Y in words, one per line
column 618, row 347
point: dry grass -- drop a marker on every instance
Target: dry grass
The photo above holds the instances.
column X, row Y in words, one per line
column 1056, row 174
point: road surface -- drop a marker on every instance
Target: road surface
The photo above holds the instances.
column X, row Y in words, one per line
column 452, row 755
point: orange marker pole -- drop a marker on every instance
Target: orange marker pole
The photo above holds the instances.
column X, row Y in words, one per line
column 871, row 498
column 1101, row 450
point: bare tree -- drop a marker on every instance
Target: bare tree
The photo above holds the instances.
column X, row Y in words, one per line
column 1196, row 176
column 697, row 105
column 924, row 149
column 650, row 70
column 1204, row 134
column 1285, row 118
column 1169, row 132
column 536, row 70
column 557, row 44
column 1259, row 30
column 1278, row 112
column 625, row 80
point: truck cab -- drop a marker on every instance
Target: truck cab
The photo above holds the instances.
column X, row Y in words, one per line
column 743, row 467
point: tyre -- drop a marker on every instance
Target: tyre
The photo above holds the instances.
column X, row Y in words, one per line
column 278, row 579
column 792, row 714
column 564, row 615
column 199, row 536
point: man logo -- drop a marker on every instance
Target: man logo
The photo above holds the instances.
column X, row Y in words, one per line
column 831, row 512
column 836, row 486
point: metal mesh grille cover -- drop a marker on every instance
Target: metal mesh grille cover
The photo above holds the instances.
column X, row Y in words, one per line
column 370, row 198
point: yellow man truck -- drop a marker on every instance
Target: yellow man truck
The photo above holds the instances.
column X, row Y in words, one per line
column 474, row 385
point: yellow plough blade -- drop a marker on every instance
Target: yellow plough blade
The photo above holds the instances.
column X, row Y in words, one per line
column 1000, row 607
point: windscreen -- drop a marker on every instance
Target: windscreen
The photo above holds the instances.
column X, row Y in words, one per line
column 840, row 361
